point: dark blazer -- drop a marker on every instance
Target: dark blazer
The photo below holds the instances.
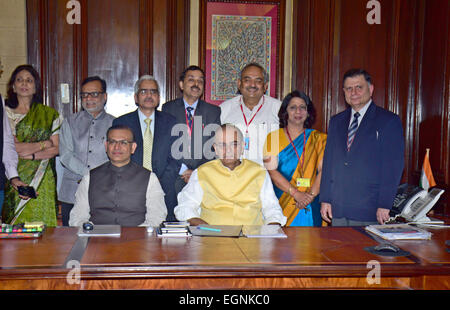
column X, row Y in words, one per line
column 205, row 114
column 358, row 182
column 163, row 164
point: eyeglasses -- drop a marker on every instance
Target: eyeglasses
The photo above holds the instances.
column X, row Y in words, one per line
column 357, row 89
column 94, row 94
column 120, row 142
column 151, row 91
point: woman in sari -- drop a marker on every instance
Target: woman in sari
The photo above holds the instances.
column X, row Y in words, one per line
column 293, row 157
column 35, row 128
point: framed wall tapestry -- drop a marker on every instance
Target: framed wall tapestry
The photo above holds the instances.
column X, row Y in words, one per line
column 235, row 34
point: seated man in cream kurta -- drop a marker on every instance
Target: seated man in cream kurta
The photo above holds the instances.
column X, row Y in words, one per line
column 229, row 191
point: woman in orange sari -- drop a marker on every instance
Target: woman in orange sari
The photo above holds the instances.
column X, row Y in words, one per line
column 293, row 156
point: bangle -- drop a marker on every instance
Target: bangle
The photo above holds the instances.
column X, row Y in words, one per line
column 42, row 143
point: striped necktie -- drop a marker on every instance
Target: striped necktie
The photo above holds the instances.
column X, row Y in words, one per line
column 352, row 130
column 189, row 115
column 148, row 146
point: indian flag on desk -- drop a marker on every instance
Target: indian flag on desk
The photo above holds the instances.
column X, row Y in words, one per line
column 426, row 178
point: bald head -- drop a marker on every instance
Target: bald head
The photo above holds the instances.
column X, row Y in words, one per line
column 228, row 144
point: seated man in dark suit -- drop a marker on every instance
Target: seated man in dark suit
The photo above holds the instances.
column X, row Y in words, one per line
column 119, row 192
column 196, row 117
column 152, row 131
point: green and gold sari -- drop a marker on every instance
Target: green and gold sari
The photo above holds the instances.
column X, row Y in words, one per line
column 39, row 124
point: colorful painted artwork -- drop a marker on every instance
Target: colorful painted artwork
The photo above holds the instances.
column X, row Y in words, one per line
column 238, row 34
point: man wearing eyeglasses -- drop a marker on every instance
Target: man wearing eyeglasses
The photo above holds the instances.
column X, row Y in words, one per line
column 119, row 192
column 152, row 131
column 81, row 141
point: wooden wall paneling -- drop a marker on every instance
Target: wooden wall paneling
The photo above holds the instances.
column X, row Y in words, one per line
column 177, row 44
column 159, row 17
column 433, row 128
column 113, row 49
column 62, row 62
column 366, row 46
column 37, row 29
column 410, row 38
column 322, row 35
column 80, row 56
column 280, row 40
column 446, row 123
column 145, row 37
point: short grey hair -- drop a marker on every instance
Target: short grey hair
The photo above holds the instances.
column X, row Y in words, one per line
column 257, row 65
column 145, row 77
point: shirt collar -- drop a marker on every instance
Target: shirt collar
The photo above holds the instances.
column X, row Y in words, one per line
column 194, row 105
column 99, row 115
column 142, row 116
column 362, row 111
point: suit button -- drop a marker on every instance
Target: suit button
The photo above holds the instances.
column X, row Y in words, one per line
column 345, row 164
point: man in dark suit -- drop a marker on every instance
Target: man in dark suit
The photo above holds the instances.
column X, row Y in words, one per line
column 196, row 119
column 363, row 160
column 152, row 130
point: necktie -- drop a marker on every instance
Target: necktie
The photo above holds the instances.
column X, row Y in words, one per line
column 189, row 115
column 148, row 146
column 352, row 130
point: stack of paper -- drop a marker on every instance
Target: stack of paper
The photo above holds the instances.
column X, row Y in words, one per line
column 263, row 231
column 173, row 229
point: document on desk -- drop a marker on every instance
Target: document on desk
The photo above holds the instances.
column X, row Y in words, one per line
column 216, row 230
column 263, row 231
column 101, row 231
column 398, row 232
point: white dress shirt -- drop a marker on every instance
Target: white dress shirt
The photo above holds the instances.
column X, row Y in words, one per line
column 265, row 121
column 361, row 112
column 143, row 124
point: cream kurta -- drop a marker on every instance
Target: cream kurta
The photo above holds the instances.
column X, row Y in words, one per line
column 220, row 196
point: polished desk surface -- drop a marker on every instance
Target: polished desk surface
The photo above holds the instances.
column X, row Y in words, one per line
column 309, row 257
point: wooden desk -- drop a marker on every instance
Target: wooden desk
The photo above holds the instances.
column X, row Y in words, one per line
column 309, row 258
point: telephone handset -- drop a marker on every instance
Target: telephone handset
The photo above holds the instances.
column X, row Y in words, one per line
column 412, row 203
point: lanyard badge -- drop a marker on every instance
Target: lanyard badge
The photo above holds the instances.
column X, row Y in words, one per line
column 247, row 124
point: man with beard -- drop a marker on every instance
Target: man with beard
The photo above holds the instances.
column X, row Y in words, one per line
column 152, row 133
column 254, row 113
column 194, row 115
column 81, row 141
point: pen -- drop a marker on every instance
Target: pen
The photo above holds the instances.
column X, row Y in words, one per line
column 208, row 228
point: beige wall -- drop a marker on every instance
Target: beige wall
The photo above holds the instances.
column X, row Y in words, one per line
column 13, row 39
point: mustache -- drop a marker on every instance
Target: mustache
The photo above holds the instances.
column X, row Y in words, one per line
column 252, row 88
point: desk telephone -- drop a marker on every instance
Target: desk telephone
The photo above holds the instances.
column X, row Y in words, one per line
column 412, row 203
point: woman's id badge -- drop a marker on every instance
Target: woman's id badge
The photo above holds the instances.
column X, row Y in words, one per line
column 303, row 182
